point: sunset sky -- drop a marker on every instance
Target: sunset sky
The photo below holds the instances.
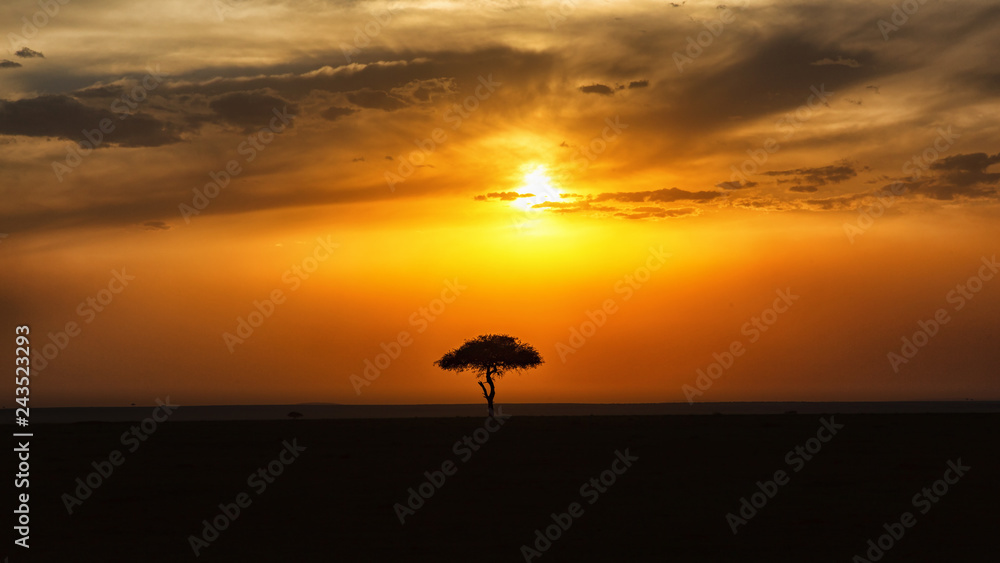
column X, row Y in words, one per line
column 448, row 169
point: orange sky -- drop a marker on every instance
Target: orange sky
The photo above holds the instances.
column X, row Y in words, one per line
column 538, row 163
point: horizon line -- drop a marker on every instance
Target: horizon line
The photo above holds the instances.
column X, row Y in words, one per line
column 327, row 404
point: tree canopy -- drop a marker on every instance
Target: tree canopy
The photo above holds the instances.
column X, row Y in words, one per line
column 491, row 355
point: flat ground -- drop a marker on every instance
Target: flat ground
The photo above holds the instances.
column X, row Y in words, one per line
column 335, row 501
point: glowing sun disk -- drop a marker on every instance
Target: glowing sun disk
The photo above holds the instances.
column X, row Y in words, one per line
column 539, row 185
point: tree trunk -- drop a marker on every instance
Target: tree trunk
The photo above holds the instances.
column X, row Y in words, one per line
column 491, row 393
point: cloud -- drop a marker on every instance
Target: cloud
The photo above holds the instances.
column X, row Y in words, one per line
column 841, row 203
column 818, row 176
column 838, row 61
column 664, row 195
column 758, row 72
column 573, row 206
column 102, row 91
column 597, row 89
column 503, row 196
column 708, row 98
column 156, row 226
column 387, row 71
column 683, row 211
column 425, row 91
column 375, row 99
column 333, row 113
column 9, row 64
column 657, row 213
column 963, row 175
column 557, row 204
column 971, row 166
column 589, row 205
column 66, row 118
column 737, row 185
column 250, row 110
column 764, row 204
column 26, row 53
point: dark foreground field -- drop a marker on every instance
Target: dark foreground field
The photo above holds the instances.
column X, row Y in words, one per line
column 335, row 501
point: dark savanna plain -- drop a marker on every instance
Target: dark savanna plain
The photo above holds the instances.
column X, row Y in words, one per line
column 500, row 280
column 336, row 500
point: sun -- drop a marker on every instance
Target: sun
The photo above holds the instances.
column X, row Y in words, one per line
column 539, row 185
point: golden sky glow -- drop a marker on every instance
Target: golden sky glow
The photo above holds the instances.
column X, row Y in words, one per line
column 366, row 159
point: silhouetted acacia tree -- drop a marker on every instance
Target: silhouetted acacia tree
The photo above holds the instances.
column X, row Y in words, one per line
column 491, row 356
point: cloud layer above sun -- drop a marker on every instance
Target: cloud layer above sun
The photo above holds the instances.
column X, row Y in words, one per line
column 766, row 106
